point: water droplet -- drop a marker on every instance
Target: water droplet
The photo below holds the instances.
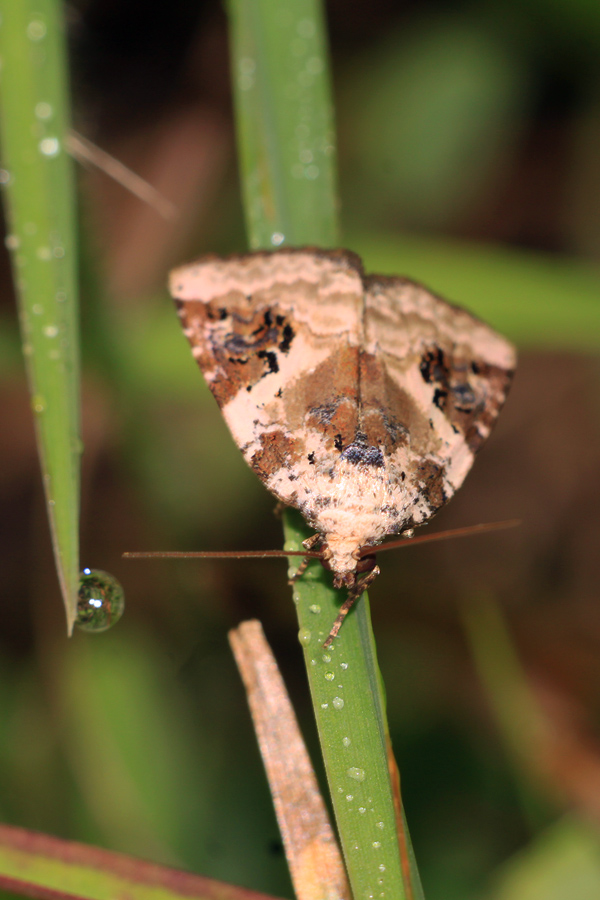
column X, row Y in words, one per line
column 277, row 238
column 306, row 156
column 349, row 797
column 247, row 65
column 311, row 172
column 346, row 741
column 337, row 703
column 12, row 242
column 37, row 309
column 36, row 30
column 38, row 404
column 4, row 176
column 43, row 253
column 58, row 252
column 49, row 146
column 329, row 676
column 304, row 636
column 343, row 665
column 245, row 81
column 362, row 810
column 315, row 608
column 314, row 65
column 306, row 28
column 381, row 867
column 51, row 331
column 356, row 773
column 409, row 533
column 380, row 824
column 324, row 705
column 100, row 601
column 313, row 662
column 43, row 110
column 376, row 845
column 326, row 658
column 60, row 296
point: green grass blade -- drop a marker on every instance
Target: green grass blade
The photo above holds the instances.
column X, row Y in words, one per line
column 287, row 161
column 349, row 708
column 37, row 175
column 36, row 865
column 286, row 140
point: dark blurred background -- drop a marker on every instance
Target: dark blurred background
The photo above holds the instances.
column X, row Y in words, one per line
column 469, row 153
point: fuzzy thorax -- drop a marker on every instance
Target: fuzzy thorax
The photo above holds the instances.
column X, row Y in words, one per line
column 360, row 511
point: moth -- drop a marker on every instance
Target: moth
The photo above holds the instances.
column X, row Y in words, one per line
column 361, row 400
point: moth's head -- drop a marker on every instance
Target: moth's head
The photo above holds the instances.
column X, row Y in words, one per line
column 346, row 568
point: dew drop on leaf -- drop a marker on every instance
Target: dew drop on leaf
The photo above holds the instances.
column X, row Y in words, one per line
column 100, row 601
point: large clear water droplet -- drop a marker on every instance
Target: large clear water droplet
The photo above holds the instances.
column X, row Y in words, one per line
column 100, row 601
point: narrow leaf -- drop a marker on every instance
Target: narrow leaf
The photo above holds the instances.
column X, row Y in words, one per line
column 49, row 868
column 37, row 176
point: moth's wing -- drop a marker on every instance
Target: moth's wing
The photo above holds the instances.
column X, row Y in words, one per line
column 447, row 376
column 264, row 328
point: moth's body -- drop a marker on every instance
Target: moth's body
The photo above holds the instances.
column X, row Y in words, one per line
column 360, row 400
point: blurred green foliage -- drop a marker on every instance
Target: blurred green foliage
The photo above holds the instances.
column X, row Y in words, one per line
column 477, row 129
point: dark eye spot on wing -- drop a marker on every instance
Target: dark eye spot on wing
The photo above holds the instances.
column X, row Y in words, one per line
column 463, row 396
column 287, row 335
column 324, row 414
column 237, row 343
column 433, row 366
column 359, row 452
column 270, row 358
column 311, row 458
column 439, row 397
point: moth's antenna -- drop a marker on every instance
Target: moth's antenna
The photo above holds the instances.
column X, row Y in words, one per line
column 219, row 554
column 467, row 531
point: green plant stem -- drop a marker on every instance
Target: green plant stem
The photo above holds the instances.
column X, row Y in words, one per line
column 286, row 139
column 38, row 182
column 287, row 162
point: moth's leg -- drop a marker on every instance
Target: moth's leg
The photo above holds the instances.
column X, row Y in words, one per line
column 308, row 544
column 353, row 595
column 311, row 542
